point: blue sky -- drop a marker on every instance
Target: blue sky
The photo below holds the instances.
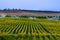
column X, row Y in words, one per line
column 31, row 4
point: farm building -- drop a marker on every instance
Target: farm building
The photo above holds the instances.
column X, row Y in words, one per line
column 47, row 14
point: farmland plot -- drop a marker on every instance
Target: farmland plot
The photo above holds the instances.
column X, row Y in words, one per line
column 27, row 29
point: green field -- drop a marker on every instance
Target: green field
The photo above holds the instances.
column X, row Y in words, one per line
column 29, row 29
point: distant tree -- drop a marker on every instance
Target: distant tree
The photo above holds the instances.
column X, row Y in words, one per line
column 9, row 9
column 16, row 9
column 0, row 10
column 13, row 9
column 5, row 9
column 19, row 9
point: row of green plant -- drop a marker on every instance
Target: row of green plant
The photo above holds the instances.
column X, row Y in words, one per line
column 27, row 29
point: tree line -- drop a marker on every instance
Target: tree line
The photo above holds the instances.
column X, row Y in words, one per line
column 19, row 10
